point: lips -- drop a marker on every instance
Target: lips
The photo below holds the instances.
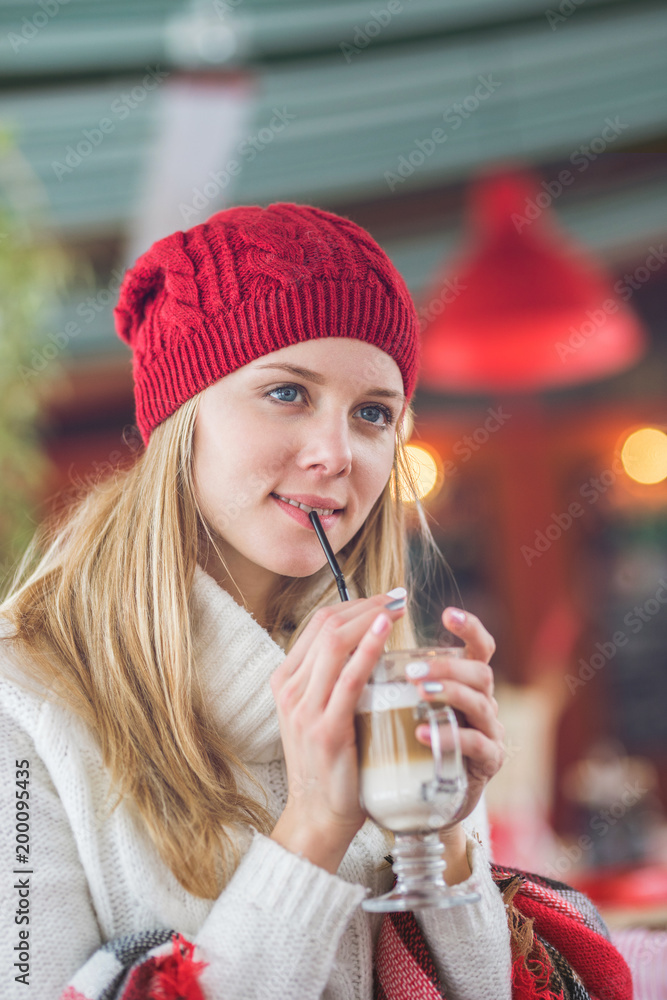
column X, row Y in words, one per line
column 324, row 506
column 298, row 510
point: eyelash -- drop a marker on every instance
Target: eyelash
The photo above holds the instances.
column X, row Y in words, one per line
column 384, row 410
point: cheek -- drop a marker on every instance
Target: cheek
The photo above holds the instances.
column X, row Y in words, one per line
column 208, row 481
column 236, row 471
column 374, row 471
column 215, row 463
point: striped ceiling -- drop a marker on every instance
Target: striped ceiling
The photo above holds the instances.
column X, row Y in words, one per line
column 500, row 83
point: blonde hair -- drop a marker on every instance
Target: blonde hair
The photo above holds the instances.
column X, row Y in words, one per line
column 103, row 614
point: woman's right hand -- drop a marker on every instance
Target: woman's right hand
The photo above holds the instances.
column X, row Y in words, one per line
column 317, row 688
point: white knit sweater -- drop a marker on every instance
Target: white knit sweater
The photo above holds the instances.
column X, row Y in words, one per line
column 282, row 928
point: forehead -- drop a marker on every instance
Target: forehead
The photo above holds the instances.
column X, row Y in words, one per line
column 346, row 358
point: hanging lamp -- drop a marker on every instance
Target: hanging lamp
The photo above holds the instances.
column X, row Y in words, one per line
column 523, row 308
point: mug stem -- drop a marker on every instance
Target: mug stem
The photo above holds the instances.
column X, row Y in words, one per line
column 418, row 865
column 418, row 861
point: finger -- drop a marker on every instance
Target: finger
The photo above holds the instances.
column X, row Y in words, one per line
column 486, row 756
column 334, row 646
column 479, row 643
column 345, row 611
column 341, row 631
column 476, row 673
column 354, row 676
column 477, row 708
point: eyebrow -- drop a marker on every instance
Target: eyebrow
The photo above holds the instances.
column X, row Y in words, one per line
column 311, row 376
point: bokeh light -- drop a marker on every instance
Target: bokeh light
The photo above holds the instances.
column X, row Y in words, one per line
column 427, row 469
column 644, row 455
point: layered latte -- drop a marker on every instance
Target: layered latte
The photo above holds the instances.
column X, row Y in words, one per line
column 396, row 770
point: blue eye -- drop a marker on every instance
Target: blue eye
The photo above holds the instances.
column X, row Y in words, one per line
column 375, row 414
column 286, row 393
column 371, row 415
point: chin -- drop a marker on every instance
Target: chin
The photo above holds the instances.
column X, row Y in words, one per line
column 298, row 568
column 297, row 561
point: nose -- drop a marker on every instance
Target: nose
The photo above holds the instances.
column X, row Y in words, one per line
column 326, row 447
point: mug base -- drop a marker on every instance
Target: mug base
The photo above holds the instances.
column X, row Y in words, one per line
column 420, row 899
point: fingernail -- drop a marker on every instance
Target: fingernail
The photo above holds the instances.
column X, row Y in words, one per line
column 432, row 687
column 396, row 605
column 417, row 669
column 456, row 616
column 380, row 624
column 397, row 592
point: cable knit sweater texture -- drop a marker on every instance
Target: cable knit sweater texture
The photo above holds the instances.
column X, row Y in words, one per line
column 283, row 928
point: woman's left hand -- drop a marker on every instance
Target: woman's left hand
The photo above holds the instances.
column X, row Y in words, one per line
column 467, row 686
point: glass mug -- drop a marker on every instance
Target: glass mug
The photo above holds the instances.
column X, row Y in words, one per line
column 410, row 788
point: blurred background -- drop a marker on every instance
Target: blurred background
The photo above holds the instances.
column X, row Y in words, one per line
column 511, row 158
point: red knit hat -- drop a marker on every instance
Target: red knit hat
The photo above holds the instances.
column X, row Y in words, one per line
column 248, row 281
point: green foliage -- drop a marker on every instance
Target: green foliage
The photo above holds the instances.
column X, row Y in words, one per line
column 33, row 270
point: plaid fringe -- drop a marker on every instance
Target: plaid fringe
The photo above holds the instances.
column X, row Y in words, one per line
column 560, row 948
column 153, row 965
column 560, row 951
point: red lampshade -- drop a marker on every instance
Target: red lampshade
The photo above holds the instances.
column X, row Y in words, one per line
column 523, row 309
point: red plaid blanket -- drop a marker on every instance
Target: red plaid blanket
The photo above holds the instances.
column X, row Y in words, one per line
column 560, row 951
column 560, row 948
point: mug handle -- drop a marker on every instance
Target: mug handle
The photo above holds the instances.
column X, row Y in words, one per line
column 445, row 784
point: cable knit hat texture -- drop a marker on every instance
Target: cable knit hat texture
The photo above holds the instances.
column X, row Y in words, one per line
column 203, row 302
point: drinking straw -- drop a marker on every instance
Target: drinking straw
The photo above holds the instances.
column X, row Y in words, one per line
column 335, row 568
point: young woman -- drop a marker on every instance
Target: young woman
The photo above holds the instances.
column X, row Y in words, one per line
column 179, row 677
